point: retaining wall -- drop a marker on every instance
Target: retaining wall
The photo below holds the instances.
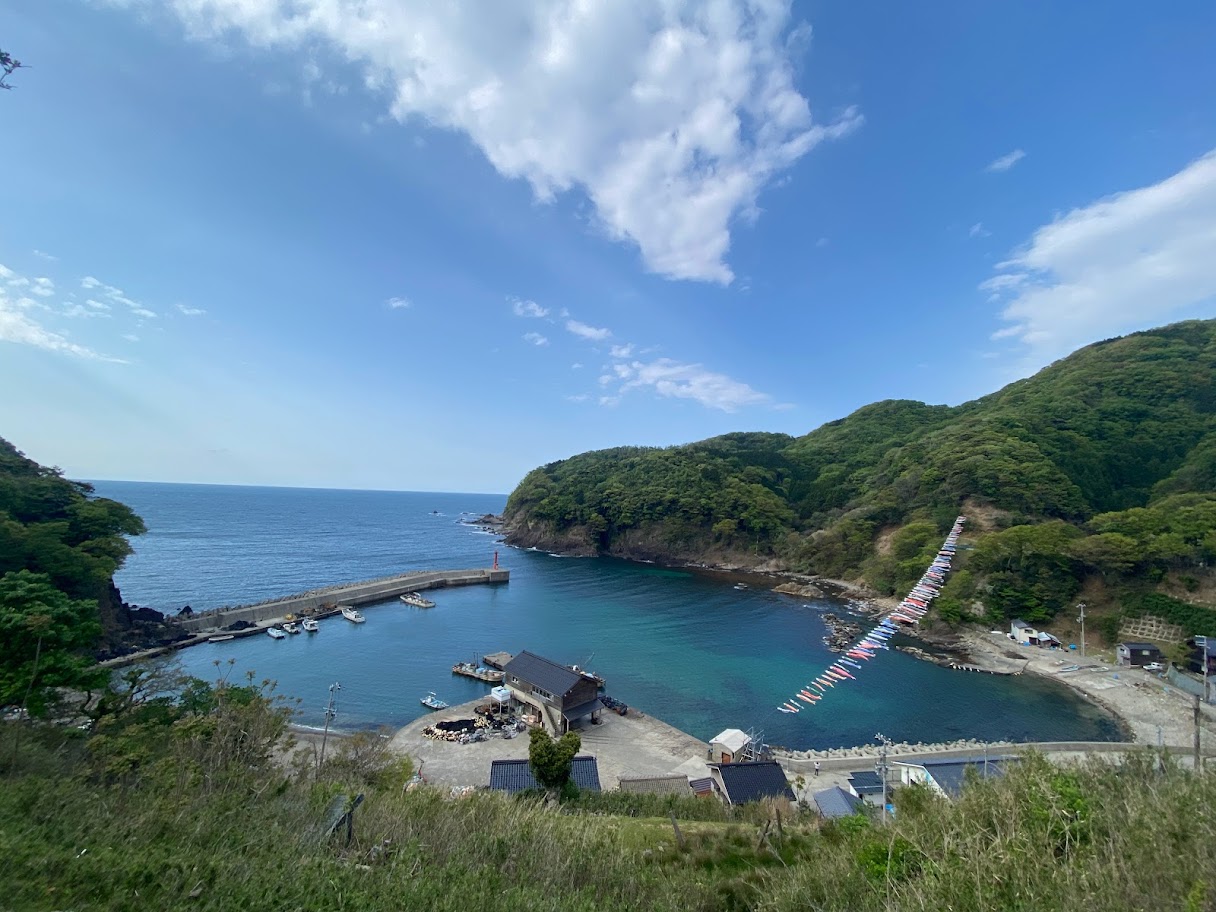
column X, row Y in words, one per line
column 866, row 761
column 349, row 594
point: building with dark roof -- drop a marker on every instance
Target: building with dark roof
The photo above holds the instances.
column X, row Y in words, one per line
column 866, row 785
column 835, row 802
column 1137, row 654
column 947, row 776
column 656, row 785
column 513, row 776
column 551, row 693
column 754, row 780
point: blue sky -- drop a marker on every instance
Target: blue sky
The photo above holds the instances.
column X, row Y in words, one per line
column 395, row 244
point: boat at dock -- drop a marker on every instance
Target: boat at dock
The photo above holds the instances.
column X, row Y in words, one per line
column 430, row 701
column 310, row 625
column 222, row 638
column 275, row 633
column 291, row 627
column 479, row 672
column 352, row 615
column 416, row 600
column 589, row 675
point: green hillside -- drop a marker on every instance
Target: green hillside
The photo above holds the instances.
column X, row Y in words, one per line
column 1103, row 463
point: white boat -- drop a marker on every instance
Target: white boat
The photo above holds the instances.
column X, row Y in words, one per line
column 275, row 633
column 430, row 701
column 222, row 638
column 310, row 625
column 352, row 615
column 291, row 627
column 416, row 599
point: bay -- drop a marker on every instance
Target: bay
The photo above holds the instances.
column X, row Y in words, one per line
column 680, row 645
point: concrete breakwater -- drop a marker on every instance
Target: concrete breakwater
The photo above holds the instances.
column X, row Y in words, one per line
column 353, row 594
column 858, row 757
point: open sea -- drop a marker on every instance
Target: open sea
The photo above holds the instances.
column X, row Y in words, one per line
column 679, row 645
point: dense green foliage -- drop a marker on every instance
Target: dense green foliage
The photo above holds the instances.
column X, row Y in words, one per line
column 550, row 760
column 175, row 802
column 59, row 549
column 1103, row 463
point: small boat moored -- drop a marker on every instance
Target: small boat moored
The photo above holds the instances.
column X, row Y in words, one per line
column 275, row 633
column 222, row 638
column 416, row 600
column 352, row 615
column 291, row 627
column 310, row 625
column 430, row 701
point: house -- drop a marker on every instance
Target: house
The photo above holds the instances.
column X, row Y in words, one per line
column 704, row 787
column 550, row 693
column 728, row 747
column 1137, row 654
column 1202, row 647
column 834, row 803
column 946, row 776
column 751, row 780
column 866, row 785
column 656, row 785
column 1025, row 635
column 513, row 776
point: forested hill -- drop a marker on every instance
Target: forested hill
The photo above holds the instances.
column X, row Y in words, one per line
column 1105, row 462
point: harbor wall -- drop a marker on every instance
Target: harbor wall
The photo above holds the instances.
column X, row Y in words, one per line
column 354, row 594
column 857, row 760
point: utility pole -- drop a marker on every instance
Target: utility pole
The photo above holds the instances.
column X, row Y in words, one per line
column 881, row 768
column 1197, row 732
column 330, row 712
column 1081, row 606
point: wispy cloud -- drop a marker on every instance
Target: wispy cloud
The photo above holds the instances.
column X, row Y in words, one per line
column 45, row 256
column 672, row 379
column 621, row 351
column 117, row 296
column 696, row 108
column 535, row 338
column 1120, row 264
column 523, row 308
column 979, row 231
column 590, row 333
column 190, row 311
column 1005, row 162
column 17, row 326
column 398, row 303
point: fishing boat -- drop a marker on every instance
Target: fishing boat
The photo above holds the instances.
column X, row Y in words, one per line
column 478, row 672
column 222, row 638
column 430, row 701
column 352, row 615
column 416, row 600
column 588, row 675
column 275, row 633
column 310, row 625
column 291, row 627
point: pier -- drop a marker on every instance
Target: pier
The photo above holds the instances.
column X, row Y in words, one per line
column 325, row 600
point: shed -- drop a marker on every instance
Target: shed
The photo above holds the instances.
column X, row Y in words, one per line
column 835, row 802
column 1023, row 634
column 727, row 746
column 1137, row 654
column 947, row 776
column 656, row 785
column 513, row 776
column 550, row 692
column 751, row 780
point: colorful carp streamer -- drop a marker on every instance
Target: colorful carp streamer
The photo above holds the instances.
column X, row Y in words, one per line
column 910, row 610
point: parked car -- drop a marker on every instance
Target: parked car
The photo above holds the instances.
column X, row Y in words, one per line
column 1154, row 667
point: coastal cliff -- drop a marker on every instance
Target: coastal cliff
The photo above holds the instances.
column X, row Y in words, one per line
column 1102, row 465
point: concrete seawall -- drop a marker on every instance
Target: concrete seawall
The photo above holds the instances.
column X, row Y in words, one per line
column 348, row 594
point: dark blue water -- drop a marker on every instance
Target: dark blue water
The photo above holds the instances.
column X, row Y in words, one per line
column 684, row 647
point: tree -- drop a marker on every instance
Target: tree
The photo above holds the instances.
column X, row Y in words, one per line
column 46, row 636
column 551, row 760
column 8, row 64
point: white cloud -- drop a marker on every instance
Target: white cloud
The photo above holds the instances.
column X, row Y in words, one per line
column 190, row 311
column 130, row 337
column 97, row 305
column 5, row 272
column 622, row 351
column 1120, row 264
column 978, row 230
column 43, row 287
column 45, row 256
column 523, row 308
column 79, row 310
column 1005, row 162
column 90, row 282
column 577, row 365
column 117, row 296
column 398, row 303
column 583, row 331
column 535, row 339
column 670, row 378
column 670, row 115
column 17, row 327
column 578, row 397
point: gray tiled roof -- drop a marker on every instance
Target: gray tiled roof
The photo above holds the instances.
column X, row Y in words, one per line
column 656, row 785
column 583, row 709
column 950, row 774
column 513, row 776
column 541, row 672
column 836, row 802
column 744, row 782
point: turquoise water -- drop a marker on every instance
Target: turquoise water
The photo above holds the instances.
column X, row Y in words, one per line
column 682, row 646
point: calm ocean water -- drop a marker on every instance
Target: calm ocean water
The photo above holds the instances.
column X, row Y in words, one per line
column 691, row 650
